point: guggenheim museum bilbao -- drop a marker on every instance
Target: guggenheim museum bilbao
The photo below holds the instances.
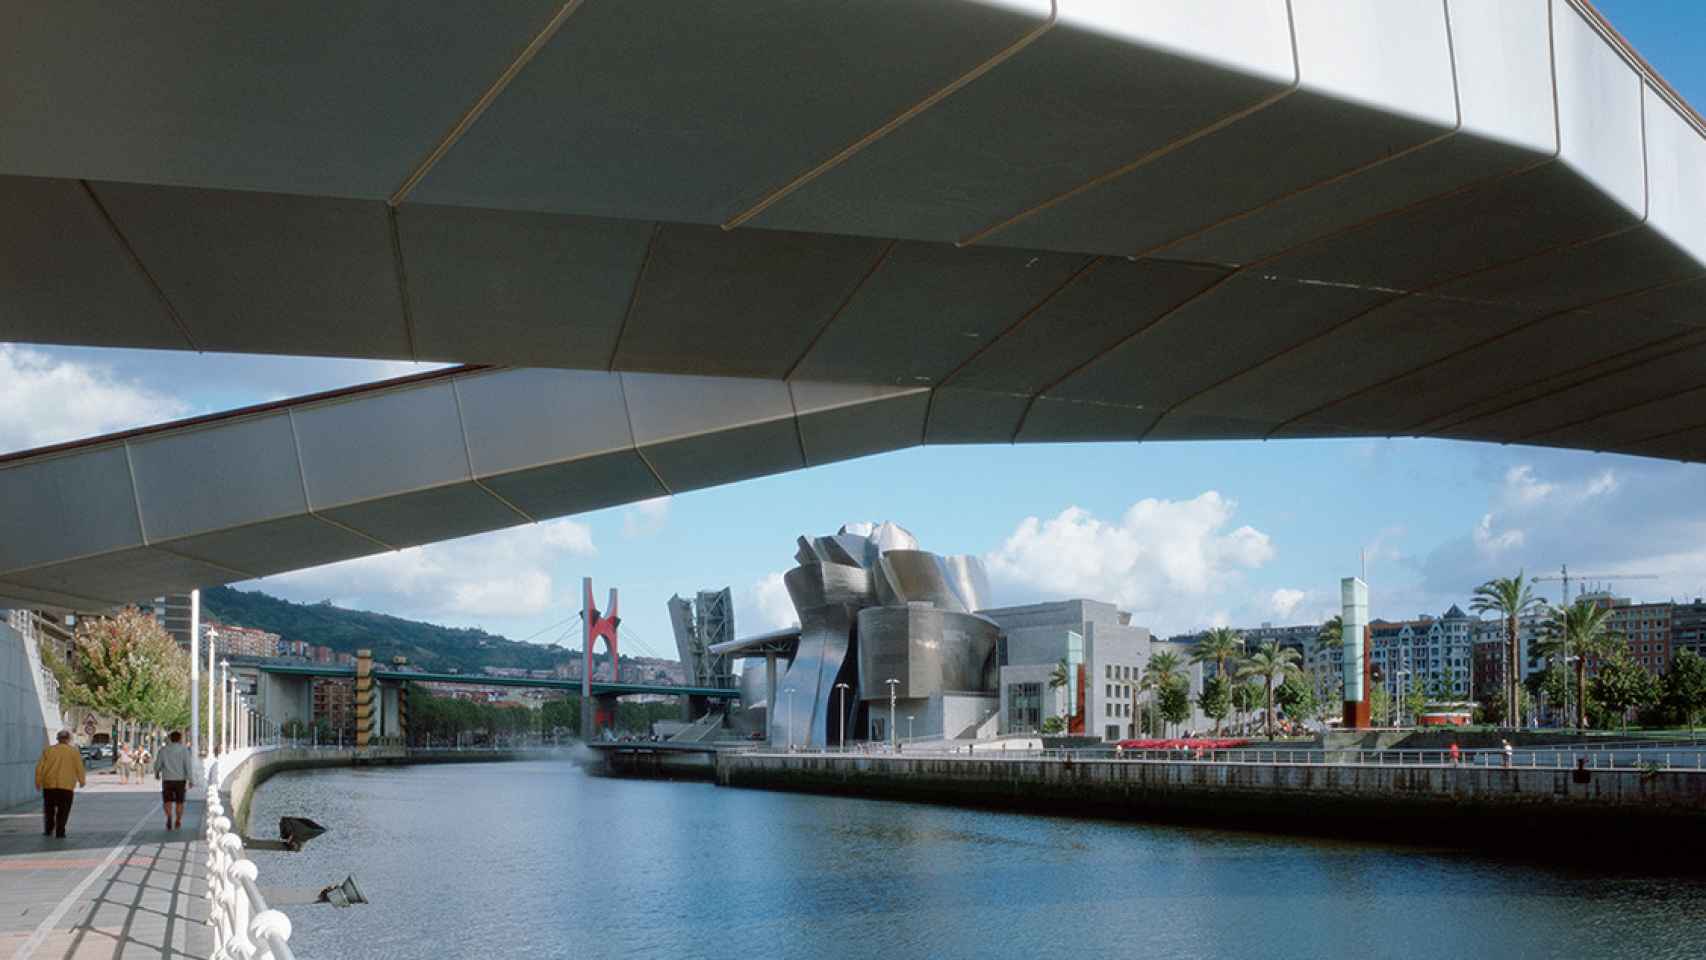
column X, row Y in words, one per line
column 890, row 633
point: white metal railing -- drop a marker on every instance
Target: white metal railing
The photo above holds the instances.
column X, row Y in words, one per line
column 1693, row 760
column 244, row 928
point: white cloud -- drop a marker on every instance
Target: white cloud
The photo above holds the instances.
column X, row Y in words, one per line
column 46, row 400
column 768, row 598
column 646, row 518
column 1157, row 559
column 1490, row 543
column 1555, row 507
column 505, row 573
column 1284, row 600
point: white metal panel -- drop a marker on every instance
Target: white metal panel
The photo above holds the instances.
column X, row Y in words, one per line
column 517, row 419
column 1251, row 36
column 663, row 407
column 1599, row 110
column 1503, row 54
column 1393, row 55
column 381, row 444
column 1676, row 177
column 217, row 476
column 68, row 506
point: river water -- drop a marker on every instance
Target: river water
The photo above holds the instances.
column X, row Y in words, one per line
column 538, row 859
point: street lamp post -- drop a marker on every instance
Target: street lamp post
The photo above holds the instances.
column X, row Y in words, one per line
column 893, row 684
column 225, row 706
column 842, row 689
column 790, row 694
column 212, row 704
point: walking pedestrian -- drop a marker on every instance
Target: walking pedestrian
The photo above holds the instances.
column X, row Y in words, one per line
column 1456, row 755
column 1508, row 754
column 123, row 763
column 175, row 770
column 58, row 773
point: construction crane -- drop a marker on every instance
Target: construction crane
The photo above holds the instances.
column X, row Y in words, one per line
column 1565, row 577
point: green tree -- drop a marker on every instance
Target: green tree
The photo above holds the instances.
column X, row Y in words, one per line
column 1271, row 664
column 1621, row 685
column 1220, row 646
column 1163, row 670
column 1510, row 598
column 127, row 667
column 1296, row 696
column 1379, row 704
column 1440, row 689
column 1245, row 699
column 1683, row 690
column 1174, row 702
column 1215, row 701
column 1054, row 725
column 1416, row 698
column 1578, row 633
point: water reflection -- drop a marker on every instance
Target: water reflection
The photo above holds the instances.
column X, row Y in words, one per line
column 537, row 859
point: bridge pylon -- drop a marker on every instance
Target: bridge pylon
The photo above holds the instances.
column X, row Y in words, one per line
column 599, row 715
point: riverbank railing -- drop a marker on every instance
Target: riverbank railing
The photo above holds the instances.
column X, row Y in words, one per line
column 1644, row 758
column 243, row 925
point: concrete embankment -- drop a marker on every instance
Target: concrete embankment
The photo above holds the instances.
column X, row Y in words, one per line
column 258, row 767
column 1617, row 811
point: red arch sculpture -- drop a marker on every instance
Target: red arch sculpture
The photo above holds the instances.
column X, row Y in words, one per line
column 593, row 627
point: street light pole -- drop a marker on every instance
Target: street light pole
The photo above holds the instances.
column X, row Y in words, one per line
column 893, row 683
column 195, row 673
column 225, row 706
column 842, row 689
column 212, row 703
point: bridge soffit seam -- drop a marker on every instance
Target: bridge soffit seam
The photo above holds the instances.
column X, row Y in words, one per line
column 1084, row 270
column 135, row 259
column 1433, row 424
column 481, row 103
column 468, row 452
column 135, row 494
column 634, row 440
column 1352, row 172
column 799, row 431
column 307, row 500
column 899, row 120
column 400, row 273
column 633, row 303
column 835, row 315
column 1159, row 152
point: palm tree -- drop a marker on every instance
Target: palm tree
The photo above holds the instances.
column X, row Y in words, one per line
column 1161, row 670
column 1271, row 663
column 1579, row 631
column 1058, row 678
column 1219, row 646
column 1510, row 598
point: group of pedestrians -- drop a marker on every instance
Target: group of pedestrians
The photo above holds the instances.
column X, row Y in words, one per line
column 60, row 772
column 131, row 761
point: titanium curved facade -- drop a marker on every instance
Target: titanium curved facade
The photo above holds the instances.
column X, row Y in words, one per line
column 869, row 600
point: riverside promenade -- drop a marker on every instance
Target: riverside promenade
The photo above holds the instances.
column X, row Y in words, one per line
column 119, row 885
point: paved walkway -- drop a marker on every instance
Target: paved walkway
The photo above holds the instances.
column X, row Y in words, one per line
column 119, row 885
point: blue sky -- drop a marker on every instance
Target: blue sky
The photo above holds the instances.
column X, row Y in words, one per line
column 1183, row 534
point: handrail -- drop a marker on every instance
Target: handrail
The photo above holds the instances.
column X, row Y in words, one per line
column 243, row 925
column 1682, row 761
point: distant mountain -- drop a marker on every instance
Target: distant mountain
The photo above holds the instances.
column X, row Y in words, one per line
column 427, row 645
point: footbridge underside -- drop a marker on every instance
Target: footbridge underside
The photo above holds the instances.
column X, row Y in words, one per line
column 718, row 240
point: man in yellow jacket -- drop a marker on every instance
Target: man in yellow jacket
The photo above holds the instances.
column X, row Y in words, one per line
column 58, row 773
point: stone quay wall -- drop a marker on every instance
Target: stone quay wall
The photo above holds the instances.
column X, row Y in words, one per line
column 1410, row 804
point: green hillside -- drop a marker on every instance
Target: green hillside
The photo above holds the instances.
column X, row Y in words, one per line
column 427, row 645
